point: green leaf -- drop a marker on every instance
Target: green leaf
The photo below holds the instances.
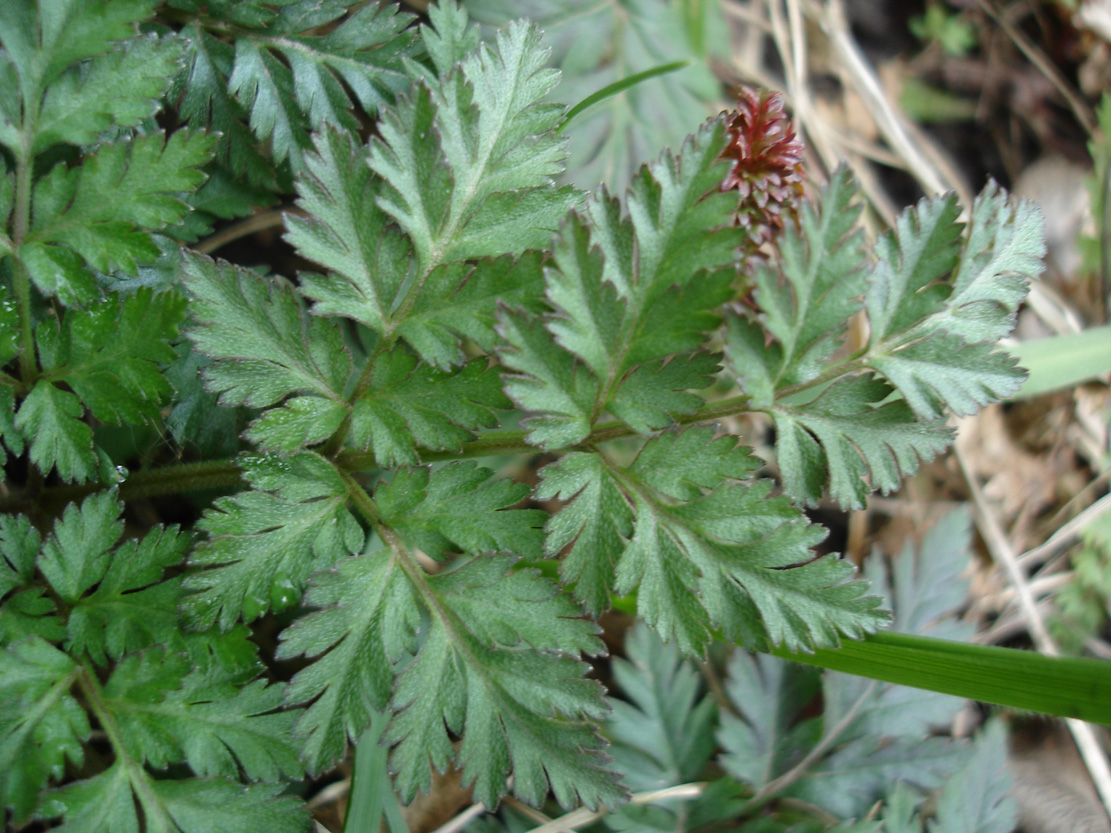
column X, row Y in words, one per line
column 264, row 543
column 859, row 773
column 486, row 660
column 461, row 300
column 1061, row 362
column 524, row 707
column 449, row 36
column 767, row 735
column 41, row 723
column 735, row 544
column 469, row 165
column 1004, row 251
column 943, row 373
column 220, row 806
column 410, row 405
column 291, row 79
column 196, row 420
column 1005, row 676
column 131, row 608
column 460, row 508
column 906, row 285
column 108, row 353
column 19, row 547
column 931, row 335
column 106, row 804
column 345, row 232
column 849, row 442
column 44, row 42
column 206, row 103
column 75, row 557
column 662, row 733
column 806, row 302
column 302, row 421
column 169, row 715
column 977, row 797
column 546, row 382
column 599, row 44
column 101, row 804
column 628, row 296
column 51, row 417
column 683, row 463
column 102, row 212
column 267, row 347
column 595, row 523
column 118, row 89
column 368, row 619
column 288, row 78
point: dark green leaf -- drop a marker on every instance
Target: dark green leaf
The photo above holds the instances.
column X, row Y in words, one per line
column 51, row 417
column 266, row 344
column 460, row 508
column 102, row 212
column 410, row 405
column 264, row 543
column 41, row 723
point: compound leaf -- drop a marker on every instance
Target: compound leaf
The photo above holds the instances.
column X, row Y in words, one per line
column 662, row 733
column 170, row 714
column 100, row 215
column 266, row 345
column 264, row 543
column 849, row 442
column 108, row 353
column 410, row 404
column 51, row 417
column 469, row 164
column 41, row 723
column 118, row 89
column 460, row 508
column 345, row 232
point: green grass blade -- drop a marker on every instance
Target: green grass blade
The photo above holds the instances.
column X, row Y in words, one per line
column 619, row 87
column 1063, row 361
column 372, row 795
column 1067, row 687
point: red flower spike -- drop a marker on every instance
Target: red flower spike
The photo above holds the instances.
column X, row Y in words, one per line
column 767, row 164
